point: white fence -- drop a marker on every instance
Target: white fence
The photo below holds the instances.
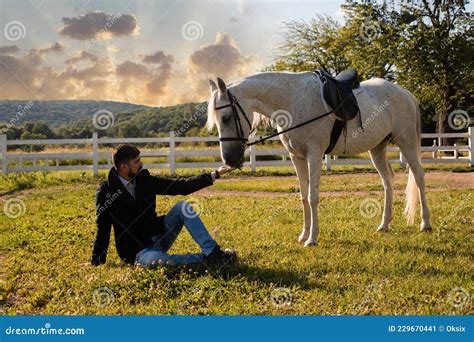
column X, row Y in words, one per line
column 171, row 153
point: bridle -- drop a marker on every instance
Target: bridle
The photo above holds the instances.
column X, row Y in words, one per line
column 234, row 103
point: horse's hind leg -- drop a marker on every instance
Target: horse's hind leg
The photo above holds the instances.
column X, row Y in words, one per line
column 408, row 138
column 413, row 159
column 379, row 158
column 301, row 167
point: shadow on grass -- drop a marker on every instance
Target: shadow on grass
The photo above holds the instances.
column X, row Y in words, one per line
column 239, row 270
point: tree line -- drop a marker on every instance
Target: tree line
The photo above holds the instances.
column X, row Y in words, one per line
column 425, row 46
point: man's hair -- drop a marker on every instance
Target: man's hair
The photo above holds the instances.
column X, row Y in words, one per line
column 123, row 153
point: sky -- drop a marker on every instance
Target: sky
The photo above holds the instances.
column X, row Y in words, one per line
column 155, row 53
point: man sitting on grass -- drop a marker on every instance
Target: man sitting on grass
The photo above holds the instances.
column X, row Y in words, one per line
column 127, row 201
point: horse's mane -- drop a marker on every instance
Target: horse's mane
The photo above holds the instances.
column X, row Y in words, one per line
column 211, row 111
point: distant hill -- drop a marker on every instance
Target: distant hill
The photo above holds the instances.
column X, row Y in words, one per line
column 54, row 113
column 74, row 119
column 183, row 119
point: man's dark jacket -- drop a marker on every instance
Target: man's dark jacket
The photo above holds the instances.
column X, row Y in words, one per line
column 135, row 220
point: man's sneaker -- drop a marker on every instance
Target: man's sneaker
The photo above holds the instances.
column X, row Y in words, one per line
column 219, row 256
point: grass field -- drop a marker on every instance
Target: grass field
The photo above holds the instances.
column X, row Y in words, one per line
column 353, row 270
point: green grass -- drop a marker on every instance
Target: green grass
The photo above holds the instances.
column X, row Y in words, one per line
column 353, row 270
column 26, row 180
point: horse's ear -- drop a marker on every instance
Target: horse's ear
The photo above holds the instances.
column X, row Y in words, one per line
column 221, row 84
column 212, row 85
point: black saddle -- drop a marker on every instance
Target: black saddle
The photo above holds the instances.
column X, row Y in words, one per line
column 337, row 92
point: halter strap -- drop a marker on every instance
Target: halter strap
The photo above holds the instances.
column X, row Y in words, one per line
column 234, row 103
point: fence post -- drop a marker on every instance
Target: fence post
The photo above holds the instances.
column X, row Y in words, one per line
column 327, row 160
column 95, row 154
column 253, row 159
column 403, row 162
column 471, row 145
column 3, row 145
column 171, row 155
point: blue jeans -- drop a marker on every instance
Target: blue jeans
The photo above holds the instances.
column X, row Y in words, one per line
column 181, row 214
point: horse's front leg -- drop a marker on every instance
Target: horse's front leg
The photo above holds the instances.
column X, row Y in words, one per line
column 301, row 167
column 315, row 163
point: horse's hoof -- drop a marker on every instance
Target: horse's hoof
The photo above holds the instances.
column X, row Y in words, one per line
column 383, row 229
column 425, row 228
column 302, row 238
column 309, row 243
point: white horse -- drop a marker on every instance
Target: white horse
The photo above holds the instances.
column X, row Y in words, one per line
column 387, row 111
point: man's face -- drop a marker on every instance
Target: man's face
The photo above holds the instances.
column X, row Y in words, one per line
column 132, row 167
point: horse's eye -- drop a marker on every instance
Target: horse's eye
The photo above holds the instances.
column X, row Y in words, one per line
column 225, row 118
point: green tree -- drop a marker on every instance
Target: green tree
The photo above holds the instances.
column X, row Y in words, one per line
column 312, row 45
column 426, row 47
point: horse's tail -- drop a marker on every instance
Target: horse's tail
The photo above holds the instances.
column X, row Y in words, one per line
column 411, row 191
column 411, row 200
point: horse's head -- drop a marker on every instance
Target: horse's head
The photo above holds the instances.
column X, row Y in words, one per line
column 233, row 123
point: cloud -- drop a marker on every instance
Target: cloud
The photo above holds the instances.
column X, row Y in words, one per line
column 158, row 57
column 28, row 77
column 158, row 83
column 220, row 59
column 83, row 56
column 92, row 82
column 56, row 47
column 19, row 76
column 98, row 25
column 130, row 69
column 102, row 68
column 154, row 78
column 111, row 48
column 22, row 77
column 10, row 49
column 162, row 74
column 147, row 83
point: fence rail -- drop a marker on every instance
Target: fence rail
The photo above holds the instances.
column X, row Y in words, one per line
column 171, row 153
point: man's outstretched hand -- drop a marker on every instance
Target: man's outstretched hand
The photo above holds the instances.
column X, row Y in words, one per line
column 224, row 169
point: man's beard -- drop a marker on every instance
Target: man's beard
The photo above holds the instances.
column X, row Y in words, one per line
column 131, row 174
